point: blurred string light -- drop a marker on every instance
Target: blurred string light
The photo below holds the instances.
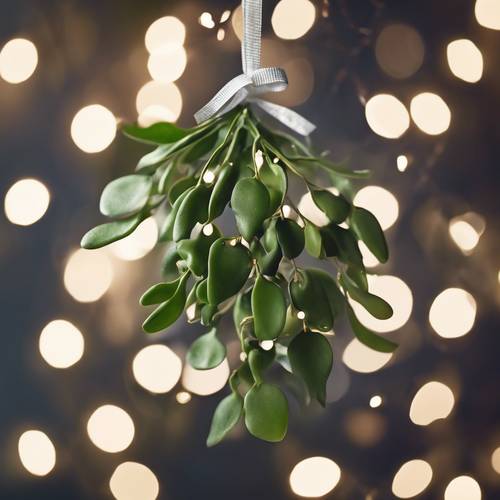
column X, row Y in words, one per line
column 452, row 313
column 466, row 230
column 488, row 13
column 387, row 116
column 463, row 488
column 266, row 345
column 164, row 32
column 292, row 19
column 465, row 60
column 430, row 113
column 88, row 275
column 61, row 344
column 399, row 50
column 139, row 243
column 183, row 397
column 412, row 479
column 397, row 293
column 158, row 101
column 111, row 429
column 362, row 359
column 157, row 368
column 134, row 481
column 375, row 401
column 93, row 128
column 314, row 477
column 206, row 20
column 167, row 63
column 26, row 202
column 495, row 460
column 36, row 452
column 380, row 202
column 18, row 60
column 433, row 401
column 205, row 382
column 402, row 162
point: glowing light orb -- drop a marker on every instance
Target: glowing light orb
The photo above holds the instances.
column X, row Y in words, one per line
column 61, row 344
column 168, row 63
column 314, row 477
column 402, row 163
column 430, row 113
column 292, row 19
column 133, row 481
column 380, row 202
column 488, row 13
column 411, row 479
column 157, row 368
column 163, row 32
column 495, row 460
column 206, row 20
column 452, row 313
column 387, row 116
column 26, row 202
column 183, row 397
column 465, row 60
column 93, row 128
column 433, row 401
column 205, row 382
column 160, row 94
column 139, row 243
column 466, row 230
column 111, row 429
column 362, row 359
column 36, row 452
column 375, row 401
column 18, row 60
column 88, row 275
column 463, row 488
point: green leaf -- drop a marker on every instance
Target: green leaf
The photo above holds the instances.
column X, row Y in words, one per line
column 161, row 292
column 167, row 230
column 179, row 187
column 242, row 309
column 358, row 275
column 346, row 245
column 266, row 412
column 367, row 228
column 375, row 305
column 274, row 178
column 293, row 324
column 201, row 147
column 167, row 176
column 206, row 352
column 312, row 240
column 250, row 204
column 269, row 309
column 336, row 208
column 226, row 416
column 195, row 251
column 105, row 234
column 125, row 195
column 228, row 269
column 367, row 337
column 169, row 269
column 259, row 361
column 221, row 194
column 193, row 209
column 208, row 312
column 201, row 292
column 169, row 311
column 290, row 237
column 311, row 359
column 159, row 133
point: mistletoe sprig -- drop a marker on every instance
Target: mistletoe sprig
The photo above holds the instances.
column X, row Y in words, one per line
column 236, row 161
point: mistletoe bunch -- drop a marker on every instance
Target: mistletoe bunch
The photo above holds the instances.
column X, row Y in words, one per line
column 236, row 161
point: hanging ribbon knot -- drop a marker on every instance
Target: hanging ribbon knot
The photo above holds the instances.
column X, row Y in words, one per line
column 254, row 80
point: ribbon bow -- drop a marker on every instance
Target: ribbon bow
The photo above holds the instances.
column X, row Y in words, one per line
column 254, row 80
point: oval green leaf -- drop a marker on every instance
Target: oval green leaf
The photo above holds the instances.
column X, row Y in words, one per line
column 269, row 309
column 179, row 187
column 368, row 229
column 161, row 292
column 274, row 178
column 221, row 194
column 226, row 416
column 312, row 240
column 158, row 133
column 206, row 352
column 105, row 234
column 193, row 209
column 290, row 237
column 335, row 207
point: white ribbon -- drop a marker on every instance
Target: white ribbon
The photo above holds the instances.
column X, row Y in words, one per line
column 254, row 80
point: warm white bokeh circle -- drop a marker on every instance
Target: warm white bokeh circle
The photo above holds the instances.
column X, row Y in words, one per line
column 163, row 32
column 93, row 128
column 18, row 60
column 168, row 63
column 463, row 488
column 488, row 13
column 387, row 116
column 292, row 19
column 26, row 202
column 411, row 479
column 134, row 481
column 139, row 243
column 465, row 60
column 61, row 344
column 380, row 202
column 360, row 358
column 430, row 113
column 433, row 401
column 205, row 382
column 36, row 452
column 314, row 477
column 166, row 96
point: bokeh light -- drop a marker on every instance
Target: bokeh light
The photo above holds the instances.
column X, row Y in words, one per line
column 466, row 230
column 397, row 293
column 18, row 60
column 159, row 94
column 134, row 481
column 88, row 275
column 360, row 358
column 157, row 368
column 399, row 50
column 139, row 243
column 183, row 397
column 465, row 60
column 402, row 162
column 433, row 401
column 163, row 32
column 380, row 202
column 495, row 460
column 387, row 116
column 411, row 479
column 61, row 344
column 430, row 113
column 452, row 313
column 488, row 13
column 375, row 401
column 292, row 19
column 206, row 20
column 93, row 128
column 111, row 429
column 463, row 488
column 37, row 453
column 26, row 202
column 314, row 477
column 205, row 382
column 155, row 114
column 237, row 22
column 168, row 63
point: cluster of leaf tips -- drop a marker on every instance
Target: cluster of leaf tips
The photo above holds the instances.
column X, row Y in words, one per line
column 235, row 161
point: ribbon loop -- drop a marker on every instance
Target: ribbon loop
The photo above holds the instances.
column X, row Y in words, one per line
column 254, row 80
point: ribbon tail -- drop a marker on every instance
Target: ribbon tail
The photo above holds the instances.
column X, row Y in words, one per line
column 286, row 116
